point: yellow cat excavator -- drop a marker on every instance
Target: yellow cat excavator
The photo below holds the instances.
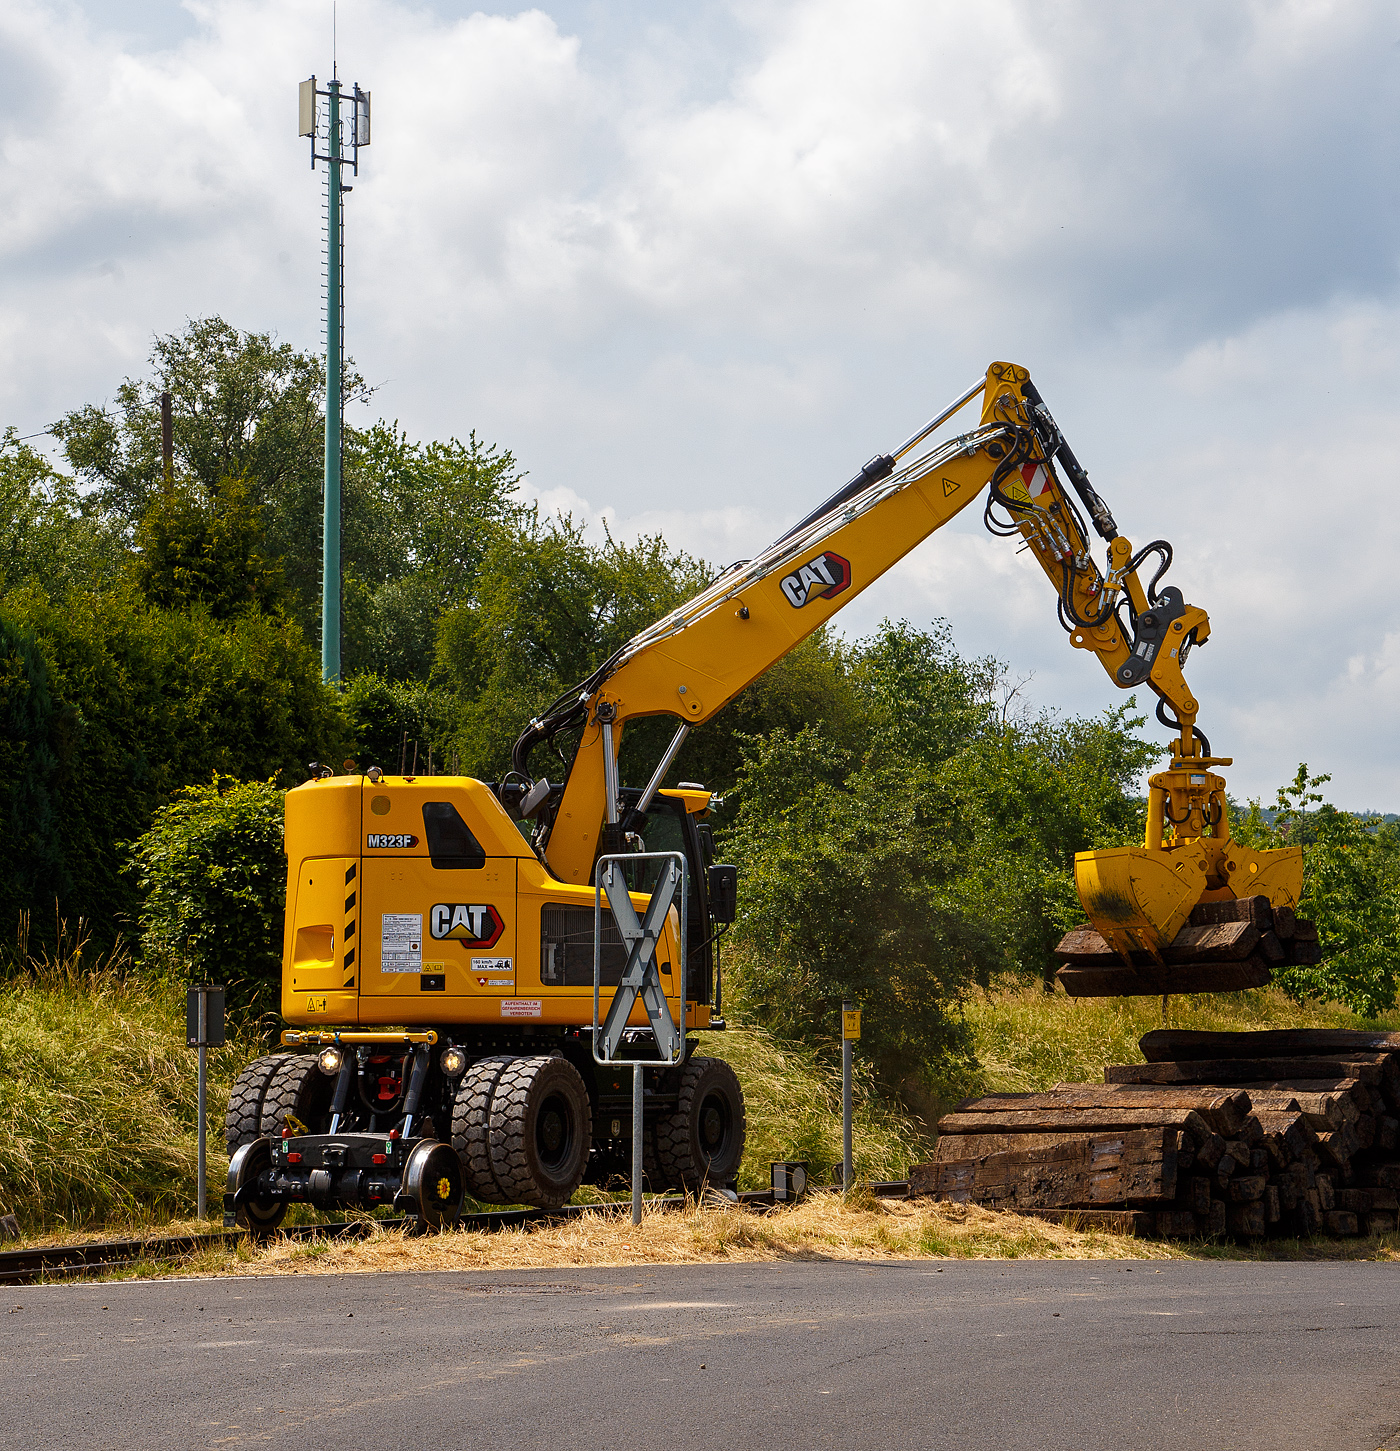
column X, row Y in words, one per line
column 419, row 900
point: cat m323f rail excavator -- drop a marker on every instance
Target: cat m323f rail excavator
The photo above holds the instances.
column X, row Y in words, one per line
column 418, row 900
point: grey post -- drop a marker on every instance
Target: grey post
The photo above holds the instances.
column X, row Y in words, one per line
column 204, row 1029
column 637, row 1143
column 847, row 1169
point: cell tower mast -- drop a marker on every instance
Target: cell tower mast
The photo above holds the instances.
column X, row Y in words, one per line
column 343, row 149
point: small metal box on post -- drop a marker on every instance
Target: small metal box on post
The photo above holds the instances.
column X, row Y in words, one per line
column 204, row 1029
column 850, row 1033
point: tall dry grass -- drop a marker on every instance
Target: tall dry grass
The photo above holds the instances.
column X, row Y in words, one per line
column 98, row 1091
column 793, row 1101
column 1027, row 1039
column 821, row 1227
column 97, row 1088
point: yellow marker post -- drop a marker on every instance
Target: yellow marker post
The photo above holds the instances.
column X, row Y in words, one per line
column 850, row 1031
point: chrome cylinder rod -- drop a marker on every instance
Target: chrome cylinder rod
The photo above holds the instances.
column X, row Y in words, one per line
column 609, row 773
column 659, row 775
column 942, row 418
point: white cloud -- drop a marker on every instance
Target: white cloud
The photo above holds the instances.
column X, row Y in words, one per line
column 694, row 269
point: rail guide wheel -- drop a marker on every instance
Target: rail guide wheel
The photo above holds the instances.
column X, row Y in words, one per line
column 432, row 1178
column 260, row 1217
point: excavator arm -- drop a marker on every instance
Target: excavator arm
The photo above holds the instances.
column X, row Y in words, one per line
column 692, row 662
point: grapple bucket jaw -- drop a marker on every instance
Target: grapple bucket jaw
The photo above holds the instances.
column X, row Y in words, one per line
column 1139, row 899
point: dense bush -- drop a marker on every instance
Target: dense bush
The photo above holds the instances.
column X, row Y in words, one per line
column 213, row 878
column 112, row 706
column 908, row 860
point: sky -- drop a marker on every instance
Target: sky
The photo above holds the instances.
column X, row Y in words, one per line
column 693, row 264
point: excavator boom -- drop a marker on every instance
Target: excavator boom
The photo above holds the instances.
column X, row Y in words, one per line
column 692, row 662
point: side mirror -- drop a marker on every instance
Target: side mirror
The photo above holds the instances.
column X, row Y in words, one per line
column 722, row 883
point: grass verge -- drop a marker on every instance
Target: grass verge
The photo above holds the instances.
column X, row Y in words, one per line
column 97, row 1092
column 824, row 1227
column 1027, row 1039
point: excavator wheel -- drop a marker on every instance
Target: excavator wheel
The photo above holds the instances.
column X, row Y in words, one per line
column 299, row 1088
column 657, row 1181
column 243, row 1121
column 702, row 1142
column 471, row 1127
column 540, row 1131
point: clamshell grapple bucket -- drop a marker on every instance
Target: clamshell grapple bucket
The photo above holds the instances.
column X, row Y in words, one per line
column 1151, row 904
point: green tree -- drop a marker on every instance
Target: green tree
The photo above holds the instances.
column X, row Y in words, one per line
column 416, row 517
column 811, row 686
column 1351, row 889
column 400, row 724
column 549, row 607
column 850, row 889
column 420, row 519
column 204, row 547
column 48, row 535
column 919, row 853
column 143, row 701
column 31, row 859
column 244, row 406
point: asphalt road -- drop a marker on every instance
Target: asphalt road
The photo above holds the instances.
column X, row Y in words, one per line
column 990, row 1356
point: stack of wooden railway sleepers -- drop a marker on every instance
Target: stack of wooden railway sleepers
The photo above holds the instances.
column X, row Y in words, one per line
column 1327, row 1105
column 1224, row 947
column 1291, row 1132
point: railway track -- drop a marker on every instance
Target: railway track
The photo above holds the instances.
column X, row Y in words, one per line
column 58, row 1262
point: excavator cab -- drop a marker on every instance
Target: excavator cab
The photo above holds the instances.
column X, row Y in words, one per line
column 675, row 821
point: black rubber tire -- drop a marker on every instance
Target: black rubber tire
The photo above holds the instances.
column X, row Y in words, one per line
column 297, row 1087
column 540, row 1132
column 243, row 1121
column 702, row 1142
column 656, row 1179
column 471, row 1126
